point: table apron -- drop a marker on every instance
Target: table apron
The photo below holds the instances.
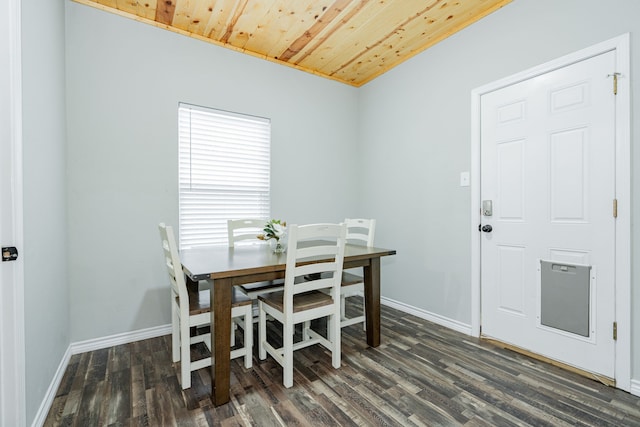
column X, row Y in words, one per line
column 253, row 278
column 273, row 275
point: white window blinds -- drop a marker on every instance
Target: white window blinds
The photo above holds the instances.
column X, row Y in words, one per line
column 224, row 172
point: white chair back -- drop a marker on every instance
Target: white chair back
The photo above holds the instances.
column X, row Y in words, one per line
column 306, row 244
column 245, row 230
column 172, row 262
column 360, row 231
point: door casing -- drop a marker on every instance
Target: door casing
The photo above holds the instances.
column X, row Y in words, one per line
column 12, row 340
column 623, row 192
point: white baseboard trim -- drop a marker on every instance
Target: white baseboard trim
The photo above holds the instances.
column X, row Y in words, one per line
column 426, row 315
column 635, row 387
column 118, row 339
column 91, row 345
column 43, row 410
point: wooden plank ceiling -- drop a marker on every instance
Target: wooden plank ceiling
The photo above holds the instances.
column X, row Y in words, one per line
column 352, row 41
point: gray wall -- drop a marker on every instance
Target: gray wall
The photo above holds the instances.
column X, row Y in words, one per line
column 124, row 82
column 415, row 129
column 46, row 292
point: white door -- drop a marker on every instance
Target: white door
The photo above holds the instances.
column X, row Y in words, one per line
column 11, row 300
column 548, row 168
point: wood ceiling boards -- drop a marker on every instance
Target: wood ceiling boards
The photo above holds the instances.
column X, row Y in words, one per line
column 352, row 41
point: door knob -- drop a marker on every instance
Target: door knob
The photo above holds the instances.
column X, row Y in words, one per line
column 487, row 228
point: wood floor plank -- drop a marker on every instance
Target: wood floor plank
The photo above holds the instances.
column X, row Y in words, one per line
column 422, row 374
column 331, row 407
column 120, row 396
column 88, row 412
column 255, row 409
column 57, row 409
column 73, row 401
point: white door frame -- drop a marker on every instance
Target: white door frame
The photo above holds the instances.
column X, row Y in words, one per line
column 12, row 341
column 623, row 192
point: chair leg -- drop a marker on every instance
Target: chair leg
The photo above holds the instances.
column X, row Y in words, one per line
column 185, row 354
column 287, row 347
column 234, row 327
column 248, row 337
column 305, row 330
column 347, row 321
column 175, row 334
column 335, row 340
column 262, row 332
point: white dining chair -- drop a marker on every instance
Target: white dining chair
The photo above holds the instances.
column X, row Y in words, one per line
column 315, row 250
column 359, row 232
column 192, row 309
column 245, row 231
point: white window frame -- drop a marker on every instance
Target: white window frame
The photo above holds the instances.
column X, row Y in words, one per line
column 224, row 172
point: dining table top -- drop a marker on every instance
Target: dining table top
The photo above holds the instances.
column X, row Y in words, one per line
column 222, row 261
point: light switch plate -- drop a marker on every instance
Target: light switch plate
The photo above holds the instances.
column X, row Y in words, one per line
column 464, row 179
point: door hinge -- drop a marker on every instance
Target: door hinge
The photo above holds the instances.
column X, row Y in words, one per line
column 615, row 331
column 615, row 82
column 615, row 208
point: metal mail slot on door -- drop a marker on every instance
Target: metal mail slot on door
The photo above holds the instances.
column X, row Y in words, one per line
column 564, row 302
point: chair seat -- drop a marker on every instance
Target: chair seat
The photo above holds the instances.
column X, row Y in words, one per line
column 349, row 279
column 259, row 287
column 301, row 302
column 201, row 303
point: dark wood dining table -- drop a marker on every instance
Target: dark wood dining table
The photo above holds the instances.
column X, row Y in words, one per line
column 227, row 267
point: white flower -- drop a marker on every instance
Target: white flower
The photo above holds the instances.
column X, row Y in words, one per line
column 278, row 230
column 274, row 229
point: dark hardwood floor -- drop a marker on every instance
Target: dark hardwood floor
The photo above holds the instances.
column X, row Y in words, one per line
column 422, row 375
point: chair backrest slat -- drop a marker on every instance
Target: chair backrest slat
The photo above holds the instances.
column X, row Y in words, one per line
column 314, row 285
column 240, row 230
column 315, row 251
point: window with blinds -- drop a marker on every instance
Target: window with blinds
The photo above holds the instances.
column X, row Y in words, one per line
column 223, row 172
